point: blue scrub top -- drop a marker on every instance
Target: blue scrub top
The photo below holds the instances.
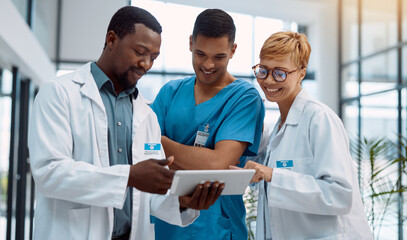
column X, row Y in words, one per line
column 235, row 113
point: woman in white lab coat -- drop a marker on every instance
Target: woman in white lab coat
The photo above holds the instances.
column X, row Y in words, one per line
column 310, row 188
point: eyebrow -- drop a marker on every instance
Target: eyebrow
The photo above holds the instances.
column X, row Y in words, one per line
column 281, row 68
column 216, row 55
column 147, row 50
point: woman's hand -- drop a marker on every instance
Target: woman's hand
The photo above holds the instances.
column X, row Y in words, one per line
column 262, row 172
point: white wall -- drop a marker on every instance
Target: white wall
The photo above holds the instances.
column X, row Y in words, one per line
column 83, row 27
column 44, row 25
column 19, row 47
column 326, row 53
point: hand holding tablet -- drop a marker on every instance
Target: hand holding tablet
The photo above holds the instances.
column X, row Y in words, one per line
column 236, row 181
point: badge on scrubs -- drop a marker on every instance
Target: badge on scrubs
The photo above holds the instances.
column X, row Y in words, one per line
column 202, row 135
column 285, row 164
column 152, row 148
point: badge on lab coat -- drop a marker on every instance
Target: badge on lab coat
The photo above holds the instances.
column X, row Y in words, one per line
column 152, row 148
column 202, row 135
column 285, row 164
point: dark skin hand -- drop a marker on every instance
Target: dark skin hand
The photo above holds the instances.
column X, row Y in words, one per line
column 203, row 197
column 151, row 175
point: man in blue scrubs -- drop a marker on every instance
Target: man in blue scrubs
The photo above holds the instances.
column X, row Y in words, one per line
column 210, row 121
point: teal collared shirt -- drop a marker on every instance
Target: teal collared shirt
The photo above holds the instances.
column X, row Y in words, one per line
column 119, row 112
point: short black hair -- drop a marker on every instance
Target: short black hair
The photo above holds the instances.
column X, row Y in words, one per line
column 122, row 22
column 214, row 23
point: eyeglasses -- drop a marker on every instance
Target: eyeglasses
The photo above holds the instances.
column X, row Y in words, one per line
column 278, row 74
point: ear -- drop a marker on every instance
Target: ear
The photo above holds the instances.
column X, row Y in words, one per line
column 233, row 50
column 190, row 43
column 302, row 74
column 111, row 38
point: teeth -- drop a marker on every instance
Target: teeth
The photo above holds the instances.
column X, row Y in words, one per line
column 207, row 72
column 272, row 90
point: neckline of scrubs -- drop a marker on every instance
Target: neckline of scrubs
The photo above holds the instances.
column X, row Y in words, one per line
column 218, row 95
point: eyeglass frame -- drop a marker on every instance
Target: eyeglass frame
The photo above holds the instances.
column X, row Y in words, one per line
column 271, row 71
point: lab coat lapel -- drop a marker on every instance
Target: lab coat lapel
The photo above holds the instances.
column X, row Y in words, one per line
column 90, row 90
column 293, row 118
column 140, row 112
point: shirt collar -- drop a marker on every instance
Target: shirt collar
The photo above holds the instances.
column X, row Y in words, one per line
column 101, row 79
column 297, row 108
column 99, row 76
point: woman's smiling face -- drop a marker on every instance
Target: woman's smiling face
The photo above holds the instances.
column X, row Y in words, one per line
column 281, row 92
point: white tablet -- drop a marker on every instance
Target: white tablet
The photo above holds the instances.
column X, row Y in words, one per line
column 236, row 180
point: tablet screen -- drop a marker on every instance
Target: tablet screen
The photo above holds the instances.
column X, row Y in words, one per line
column 236, row 181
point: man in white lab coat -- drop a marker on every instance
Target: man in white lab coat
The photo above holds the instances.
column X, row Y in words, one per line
column 92, row 139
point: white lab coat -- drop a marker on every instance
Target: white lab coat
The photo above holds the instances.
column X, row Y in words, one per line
column 318, row 198
column 76, row 188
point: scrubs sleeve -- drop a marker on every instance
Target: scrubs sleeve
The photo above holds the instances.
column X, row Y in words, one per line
column 56, row 173
column 244, row 122
column 328, row 191
column 159, row 107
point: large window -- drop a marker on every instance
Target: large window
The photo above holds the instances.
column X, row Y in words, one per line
column 5, row 123
column 374, row 57
column 175, row 58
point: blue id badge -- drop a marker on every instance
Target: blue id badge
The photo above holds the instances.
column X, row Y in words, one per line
column 285, row 164
column 202, row 135
column 152, row 148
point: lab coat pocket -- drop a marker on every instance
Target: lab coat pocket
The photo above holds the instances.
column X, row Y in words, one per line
column 302, row 165
column 79, row 223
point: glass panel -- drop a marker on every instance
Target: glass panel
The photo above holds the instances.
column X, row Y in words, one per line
column 379, row 73
column 349, row 30
column 44, row 25
column 175, row 44
column 404, row 63
column 404, row 112
column 311, row 86
column 349, row 81
column 5, row 121
column 379, row 25
column 150, row 84
column 173, row 39
column 404, row 134
column 350, row 119
column 242, row 61
column 404, row 23
column 6, row 82
column 379, row 115
column 21, row 6
column 263, row 28
column 379, row 120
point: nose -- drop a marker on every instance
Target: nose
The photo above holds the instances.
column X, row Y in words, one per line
column 146, row 63
column 209, row 63
column 269, row 78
